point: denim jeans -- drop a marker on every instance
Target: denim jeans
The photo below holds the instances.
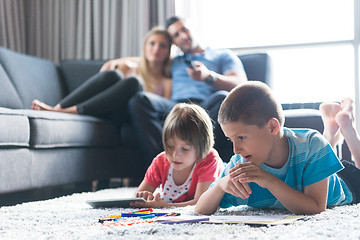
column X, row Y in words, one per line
column 351, row 176
column 148, row 112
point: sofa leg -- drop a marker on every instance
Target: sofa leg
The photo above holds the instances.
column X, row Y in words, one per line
column 126, row 182
column 94, row 185
column 97, row 185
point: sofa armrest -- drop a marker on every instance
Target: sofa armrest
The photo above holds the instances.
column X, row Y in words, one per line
column 257, row 67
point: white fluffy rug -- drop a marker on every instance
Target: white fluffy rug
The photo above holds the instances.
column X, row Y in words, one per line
column 70, row 217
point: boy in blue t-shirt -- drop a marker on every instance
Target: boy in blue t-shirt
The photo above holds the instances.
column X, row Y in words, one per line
column 273, row 166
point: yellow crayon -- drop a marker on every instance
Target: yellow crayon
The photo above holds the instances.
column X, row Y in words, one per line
column 145, row 212
column 116, row 216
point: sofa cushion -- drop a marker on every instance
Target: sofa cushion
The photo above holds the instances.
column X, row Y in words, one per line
column 43, row 129
column 75, row 72
column 32, row 77
column 14, row 129
column 53, row 129
column 8, row 95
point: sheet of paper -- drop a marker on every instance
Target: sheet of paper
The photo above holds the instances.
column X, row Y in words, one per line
column 263, row 219
column 232, row 219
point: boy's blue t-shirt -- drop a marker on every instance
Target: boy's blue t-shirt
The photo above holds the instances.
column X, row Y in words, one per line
column 311, row 159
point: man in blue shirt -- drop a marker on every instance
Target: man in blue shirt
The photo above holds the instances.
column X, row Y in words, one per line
column 200, row 75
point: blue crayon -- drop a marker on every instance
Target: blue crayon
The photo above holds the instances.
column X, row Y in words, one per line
column 148, row 216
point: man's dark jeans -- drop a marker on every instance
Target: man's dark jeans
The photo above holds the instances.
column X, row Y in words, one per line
column 148, row 112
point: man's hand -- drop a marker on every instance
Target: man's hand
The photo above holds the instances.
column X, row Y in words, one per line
column 249, row 172
column 199, row 71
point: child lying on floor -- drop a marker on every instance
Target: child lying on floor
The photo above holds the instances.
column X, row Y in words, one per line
column 338, row 119
column 274, row 166
column 189, row 163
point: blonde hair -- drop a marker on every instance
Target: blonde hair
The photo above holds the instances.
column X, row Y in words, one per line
column 192, row 124
column 144, row 68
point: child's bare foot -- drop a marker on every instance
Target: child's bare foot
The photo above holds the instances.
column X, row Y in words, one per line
column 345, row 120
column 331, row 128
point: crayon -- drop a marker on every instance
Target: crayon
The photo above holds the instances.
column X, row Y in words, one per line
column 110, row 217
column 148, row 216
column 144, row 210
column 121, row 215
column 142, row 215
column 166, row 214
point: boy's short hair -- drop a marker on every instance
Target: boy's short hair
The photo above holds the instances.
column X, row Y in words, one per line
column 192, row 124
column 252, row 103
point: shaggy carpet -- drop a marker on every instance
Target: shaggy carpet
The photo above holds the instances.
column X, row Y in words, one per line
column 70, row 217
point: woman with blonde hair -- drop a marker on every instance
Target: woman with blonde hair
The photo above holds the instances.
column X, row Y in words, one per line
column 108, row 92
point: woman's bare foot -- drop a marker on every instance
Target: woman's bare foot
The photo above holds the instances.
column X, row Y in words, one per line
column 345, row 120
column 331, row 128
column 37, row 105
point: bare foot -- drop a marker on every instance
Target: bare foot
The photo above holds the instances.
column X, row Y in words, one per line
column 331, row 128
column 345, row 120
column 37, row 105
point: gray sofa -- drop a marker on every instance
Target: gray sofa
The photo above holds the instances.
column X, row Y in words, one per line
column 40, row 149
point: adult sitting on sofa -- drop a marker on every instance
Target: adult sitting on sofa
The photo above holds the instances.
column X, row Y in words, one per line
column 199, row 75
column 106, row 94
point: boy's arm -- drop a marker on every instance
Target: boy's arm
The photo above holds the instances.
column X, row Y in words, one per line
column 312, row 201
column 209, row 201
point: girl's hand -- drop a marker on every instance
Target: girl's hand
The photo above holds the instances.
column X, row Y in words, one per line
column 235, row 188
column 249, row 172
column 155, row 202
column 148, row 196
